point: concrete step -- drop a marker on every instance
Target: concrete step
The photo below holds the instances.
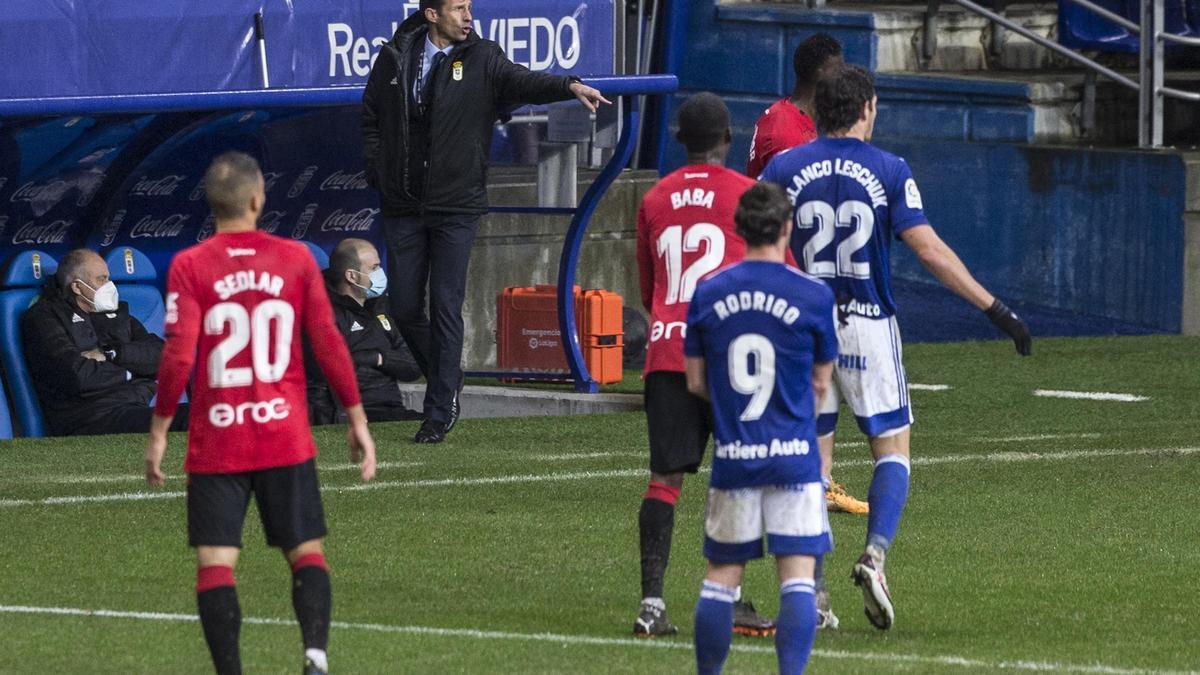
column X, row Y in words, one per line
column 480, row 402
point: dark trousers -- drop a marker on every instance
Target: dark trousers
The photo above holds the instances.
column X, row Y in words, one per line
column 431, row 252
column 130, row 419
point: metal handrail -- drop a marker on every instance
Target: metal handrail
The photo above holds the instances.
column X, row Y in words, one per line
column 1149, row 85
column 1049, row 44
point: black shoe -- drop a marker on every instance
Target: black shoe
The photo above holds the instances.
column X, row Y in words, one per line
column 311, row 668
column 456, row 404
column 747, row 621
column 652, row 622
column 430, row 432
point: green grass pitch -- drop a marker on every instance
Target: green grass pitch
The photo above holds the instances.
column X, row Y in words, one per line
column 1041, row 534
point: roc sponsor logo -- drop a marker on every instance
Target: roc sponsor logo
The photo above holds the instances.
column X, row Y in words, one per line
column 302, row 181
column 52, row 233
column 225, row 415
column 304, row 221
column 340, row 180
column 157, row 187
column 159, row 228
column 341, row 221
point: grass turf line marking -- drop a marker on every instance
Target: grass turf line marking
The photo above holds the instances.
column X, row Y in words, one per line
column 1037, row 437
column 132, row 477
column 1037, row 666
column 1090, row 395
column 929, row 387
column 614, row 473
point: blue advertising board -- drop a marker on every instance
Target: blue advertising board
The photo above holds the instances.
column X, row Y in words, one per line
column 183, row 46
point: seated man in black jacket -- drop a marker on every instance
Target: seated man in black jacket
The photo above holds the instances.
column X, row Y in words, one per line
column 93, row 364
column 355, row 282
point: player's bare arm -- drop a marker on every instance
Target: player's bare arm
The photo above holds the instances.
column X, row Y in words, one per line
column 821, row 377
column 697, row 378
column 942, row 262
column 156, row 448
column 362, row 445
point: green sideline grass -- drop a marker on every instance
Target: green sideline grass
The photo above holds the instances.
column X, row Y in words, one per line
column 1009, row 555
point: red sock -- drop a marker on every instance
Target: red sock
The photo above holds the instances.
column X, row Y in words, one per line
column 310, row 560
column 663, row 493
column 214, row 576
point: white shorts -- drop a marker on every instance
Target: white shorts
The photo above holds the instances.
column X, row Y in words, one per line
column 794, row 517
column 869, row 376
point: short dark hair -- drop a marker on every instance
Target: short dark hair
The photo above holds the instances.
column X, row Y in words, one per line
column 345, row 257
column 230, row 182
column 71, row 265
column 435, row 5
column 812, row 55
column 703, row 122
column 761, row 214
column 841, row 94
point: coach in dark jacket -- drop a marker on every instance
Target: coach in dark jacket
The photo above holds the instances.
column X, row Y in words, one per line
column 355, row 282
column 93, row 365
column 434, row 93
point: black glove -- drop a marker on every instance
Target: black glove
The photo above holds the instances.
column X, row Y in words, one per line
column 365, row 359
column 1007, row 320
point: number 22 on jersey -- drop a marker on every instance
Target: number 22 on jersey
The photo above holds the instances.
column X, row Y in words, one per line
column 270, row 350
column 854, row 216
column 674, row 242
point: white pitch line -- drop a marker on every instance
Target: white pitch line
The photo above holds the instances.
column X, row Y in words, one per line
column 613, row 473
column 592, row 640
column 929, row 387
column 1090, row 395
column 135, row 477
column 1036, row 437
column 567, row 456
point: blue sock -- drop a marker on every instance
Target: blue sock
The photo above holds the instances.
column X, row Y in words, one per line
column 889, row 491
column 714, row 627
column 796, row 627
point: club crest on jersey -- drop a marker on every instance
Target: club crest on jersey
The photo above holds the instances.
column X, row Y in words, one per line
column 383, row 320
column 458, row 71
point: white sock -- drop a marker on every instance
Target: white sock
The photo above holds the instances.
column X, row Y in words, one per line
column 657, row 603
column 737, row 593
column 318, row 657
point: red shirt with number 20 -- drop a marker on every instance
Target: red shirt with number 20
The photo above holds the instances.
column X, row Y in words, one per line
column 236, row 305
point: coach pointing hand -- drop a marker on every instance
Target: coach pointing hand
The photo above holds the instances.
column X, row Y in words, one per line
column 433, row 95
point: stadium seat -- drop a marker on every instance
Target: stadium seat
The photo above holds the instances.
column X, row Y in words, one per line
column 318, row 253
column 21, row 283
column 134, row 275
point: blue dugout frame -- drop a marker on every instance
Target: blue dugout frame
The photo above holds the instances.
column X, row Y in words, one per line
column 630, row 87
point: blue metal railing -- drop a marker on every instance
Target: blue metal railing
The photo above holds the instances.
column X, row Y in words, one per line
column 631, row 87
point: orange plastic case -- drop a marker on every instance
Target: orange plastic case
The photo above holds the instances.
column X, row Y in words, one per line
column 528, row 337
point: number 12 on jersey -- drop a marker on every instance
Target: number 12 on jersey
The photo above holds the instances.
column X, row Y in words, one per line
column 674, row 242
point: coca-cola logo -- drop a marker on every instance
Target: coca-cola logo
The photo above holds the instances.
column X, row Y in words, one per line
column 197, row 192
column 270, row 179
column 304, row 221
column 157, row 187
column 269, row 221
column 340, row 180
column 112, row 227
column 340, row 221
column 31, row 192
column 298, row 186
column 52, row 233
column 207, row 228
column 159, row 228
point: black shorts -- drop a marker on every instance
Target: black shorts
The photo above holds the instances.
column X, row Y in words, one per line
column 679, row 423
column 288, row 498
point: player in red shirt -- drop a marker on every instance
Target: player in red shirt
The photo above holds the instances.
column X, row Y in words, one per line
column 685, row 230
column 789, row 121
column 236, row 305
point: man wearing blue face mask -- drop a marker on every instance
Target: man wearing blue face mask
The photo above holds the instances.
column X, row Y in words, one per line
column 94, row 365
column 356, row 283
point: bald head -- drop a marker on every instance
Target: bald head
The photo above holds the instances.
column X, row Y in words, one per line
column 234, row 186
column 351, row 265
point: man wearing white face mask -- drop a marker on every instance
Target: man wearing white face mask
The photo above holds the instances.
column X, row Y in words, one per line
column 94, row 364
column 356, row 283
